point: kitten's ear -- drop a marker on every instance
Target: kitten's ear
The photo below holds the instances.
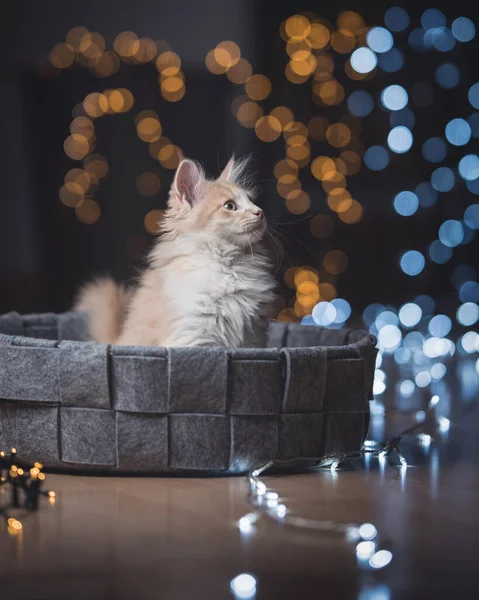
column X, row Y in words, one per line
column 227, row 172
column 187, row 180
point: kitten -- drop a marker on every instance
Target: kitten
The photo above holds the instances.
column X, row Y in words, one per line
column 209, row 279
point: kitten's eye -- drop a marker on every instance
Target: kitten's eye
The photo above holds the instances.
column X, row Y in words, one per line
column 230, row 205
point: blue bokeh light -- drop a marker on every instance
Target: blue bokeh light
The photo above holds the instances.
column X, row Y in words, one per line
column 439, row 253
column 473, row 95
column 402, row 117
column 343, row 310
column 386, row 317
column 427, row 304
column 468, row 314
column 447, row 75
column 416, row 40
column 379, row 39
column 461, row 274
column 469, row 234
column 451, row 233
column 410, row 314
column 442, row 179
column 422, row 94
column 469, row 292
column 440, row 326
column 427, row 194
column 434, row 150
column 376, row 158
column 370, row 313
column 458, row 132
column 412, row 262
column 431, row 18
column 396, row 18
column 363, row 60
column 469, row 167
column 473, row 121
column 473, row 186
column 471, row 216
column 441, row 38
column 391, row 61
column 463, row 29
column 406, row 203
column 360, row 103
column 394, row 97
column 324, row 314
column 400, row 139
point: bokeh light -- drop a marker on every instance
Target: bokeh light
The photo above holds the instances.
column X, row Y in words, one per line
column 363, row 60
column 451, row 233
column 471, row 216
column 468, row 314
column 433, row 18
column 426, row 194
column 360, row 103
column 473, row 95
column 376, row 158
column 412, row 263
column 469, row 167
column 463, row 29
column 410, row 314
column 434, row 150
column 396, row 18
column 400, row 139
column 458, row 132
column 391, row 61
column 442, row 179
column 394, row 97
column 447, row 75
column 406, row 203
column 379, row 39
column 439, row 252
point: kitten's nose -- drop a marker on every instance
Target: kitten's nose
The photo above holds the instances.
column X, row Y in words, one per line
column 259, row 213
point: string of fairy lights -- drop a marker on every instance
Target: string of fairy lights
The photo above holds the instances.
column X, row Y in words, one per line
column 267, row 504
column 24, row 483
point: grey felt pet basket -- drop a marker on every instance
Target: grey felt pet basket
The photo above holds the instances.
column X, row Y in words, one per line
column 78, row 405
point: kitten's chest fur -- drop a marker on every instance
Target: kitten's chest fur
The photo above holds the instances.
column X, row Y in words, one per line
column 221, row 292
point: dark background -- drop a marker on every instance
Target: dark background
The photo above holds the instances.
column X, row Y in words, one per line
column 46, row 251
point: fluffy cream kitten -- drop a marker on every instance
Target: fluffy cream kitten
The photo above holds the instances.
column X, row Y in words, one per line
column 209, row 279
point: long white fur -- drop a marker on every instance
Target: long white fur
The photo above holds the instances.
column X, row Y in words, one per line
column 209, row 279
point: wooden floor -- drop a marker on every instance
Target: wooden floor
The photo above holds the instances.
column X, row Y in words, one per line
column 178, row 538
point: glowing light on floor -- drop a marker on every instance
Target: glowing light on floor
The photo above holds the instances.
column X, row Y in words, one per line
column 243, row 586
column 365, row 549
column 380, row 559
column 367, row 531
